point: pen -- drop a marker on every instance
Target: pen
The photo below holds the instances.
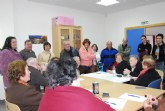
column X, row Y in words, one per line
column 113, row 103
column 133, row 95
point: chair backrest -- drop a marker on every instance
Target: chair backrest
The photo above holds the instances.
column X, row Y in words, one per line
column 155, row 84
column 160, row 73
column 11, row 106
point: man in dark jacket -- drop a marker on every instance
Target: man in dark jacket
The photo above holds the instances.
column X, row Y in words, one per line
column 144, row 48
column 36, row 78
column 68, row 51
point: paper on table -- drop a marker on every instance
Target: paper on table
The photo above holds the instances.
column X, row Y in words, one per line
column 81, row 79
column 133, row 97
column 107, row 76
column 115, row 103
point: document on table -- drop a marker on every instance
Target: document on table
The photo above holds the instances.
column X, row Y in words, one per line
column 107, row 76
column 133, row 97
column 115, row 103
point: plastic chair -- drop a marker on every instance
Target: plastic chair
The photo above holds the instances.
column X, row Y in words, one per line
column 11, row 106
column 155, row 84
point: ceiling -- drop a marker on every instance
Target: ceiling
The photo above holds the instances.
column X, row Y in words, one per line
column 90, row 5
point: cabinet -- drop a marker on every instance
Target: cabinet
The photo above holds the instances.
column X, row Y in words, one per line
column 61, row 33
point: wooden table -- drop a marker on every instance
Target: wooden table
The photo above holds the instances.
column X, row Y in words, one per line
column 116, row 89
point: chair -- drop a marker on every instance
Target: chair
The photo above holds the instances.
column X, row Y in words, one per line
column 155, row 84
column 160, row 73
column 11, row 106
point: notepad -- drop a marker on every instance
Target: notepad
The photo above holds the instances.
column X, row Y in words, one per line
column 133, row 97
column 115, row 103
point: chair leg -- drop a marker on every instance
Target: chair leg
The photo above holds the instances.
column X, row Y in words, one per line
column 163, row 86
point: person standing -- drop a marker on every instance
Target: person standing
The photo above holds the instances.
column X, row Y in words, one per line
column 45, row 56
column 68, row 51
column 7, row 55
column 144, row 48
column 27, row 52
column 158, row 53
column 86, row 56
column 108, row 56
column 124, row 49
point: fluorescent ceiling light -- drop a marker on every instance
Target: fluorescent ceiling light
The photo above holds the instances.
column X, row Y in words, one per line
column 107, row 2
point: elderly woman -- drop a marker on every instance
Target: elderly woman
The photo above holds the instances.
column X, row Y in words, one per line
column 45, row 57
column 20, row 92
column 8, row 54
column 119, row 65
column 136, row 66
column 86, row 56
column 64, row 93
column 148, row 74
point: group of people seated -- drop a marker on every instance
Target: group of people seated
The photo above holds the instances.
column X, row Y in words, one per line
column 24, row 73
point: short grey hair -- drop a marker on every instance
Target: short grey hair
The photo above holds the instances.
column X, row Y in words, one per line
column 30, row 61
column 135, row 57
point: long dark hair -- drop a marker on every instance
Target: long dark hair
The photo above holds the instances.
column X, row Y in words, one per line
column 7, row 44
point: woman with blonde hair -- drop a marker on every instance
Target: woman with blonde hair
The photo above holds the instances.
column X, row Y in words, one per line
column 148, row 74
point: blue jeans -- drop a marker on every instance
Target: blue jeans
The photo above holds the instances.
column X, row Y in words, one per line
column 161, row 66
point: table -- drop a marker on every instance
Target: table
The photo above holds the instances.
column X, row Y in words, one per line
column 116, row 89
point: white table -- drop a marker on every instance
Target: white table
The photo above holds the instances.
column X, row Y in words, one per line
column 107, row 76
column 2, row 91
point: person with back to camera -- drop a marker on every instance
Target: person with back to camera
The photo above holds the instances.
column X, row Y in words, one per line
column 20, row 92
column 63, row 92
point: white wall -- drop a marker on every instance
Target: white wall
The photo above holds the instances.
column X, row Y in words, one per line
column 35, row 18
column 6, row 20
column 117, row 22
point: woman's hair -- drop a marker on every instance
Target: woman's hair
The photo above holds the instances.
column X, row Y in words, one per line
column 7, row 44
column 119, row 54
column 61, row 72
column 148, row 61
column 96, row 47
column 86, row 41
column 134, row 56
column 46, row 43
column 16, row 69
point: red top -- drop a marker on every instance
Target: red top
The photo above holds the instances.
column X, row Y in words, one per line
column 70, row 98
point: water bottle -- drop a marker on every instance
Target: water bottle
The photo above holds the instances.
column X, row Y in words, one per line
column 114, row 71
column 100, row 66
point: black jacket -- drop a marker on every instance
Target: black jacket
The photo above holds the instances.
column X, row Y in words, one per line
column 147, row 78
column 121, row 66
column 36, row 78
column 142, row 47
column 161, row 53
column 137, row 70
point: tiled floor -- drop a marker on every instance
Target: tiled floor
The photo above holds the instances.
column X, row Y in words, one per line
column 2, row 106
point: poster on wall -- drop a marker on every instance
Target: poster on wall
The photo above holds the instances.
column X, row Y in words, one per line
column 38, row 39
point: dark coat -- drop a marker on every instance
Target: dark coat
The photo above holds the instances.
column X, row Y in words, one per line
column 71, row 53
column 161, row 53
column 147, row 78
column 36, row 78
column 26, row 97
column 121, row 66
column 137, row 70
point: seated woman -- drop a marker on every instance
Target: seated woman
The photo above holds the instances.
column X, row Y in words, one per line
column 64, row 93
column 153, row 104
column 136, row 66
column 119, row 65
column 20, row 92
column 148, row 74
